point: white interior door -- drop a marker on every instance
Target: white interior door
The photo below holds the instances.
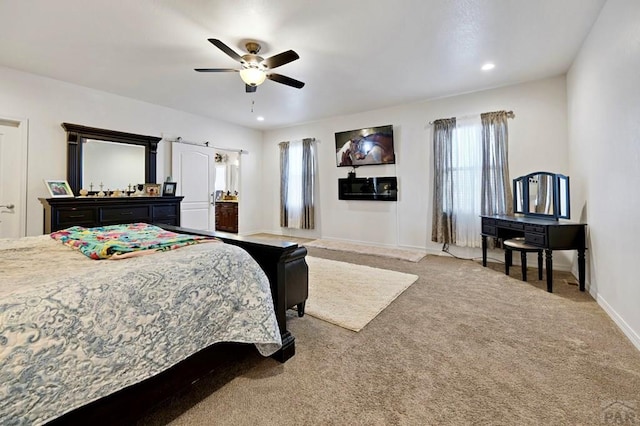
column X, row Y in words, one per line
column 192, row 167
column 13, row 178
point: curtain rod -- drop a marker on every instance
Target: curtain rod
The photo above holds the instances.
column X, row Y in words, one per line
column 510, row 114
column 314, row 140
column 206, row 145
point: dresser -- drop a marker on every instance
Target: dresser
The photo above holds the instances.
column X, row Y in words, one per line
column 227, row 216
column 548, row 234
column 61, row 213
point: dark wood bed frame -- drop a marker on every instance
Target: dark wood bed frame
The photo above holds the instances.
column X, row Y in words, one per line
column 285, row 267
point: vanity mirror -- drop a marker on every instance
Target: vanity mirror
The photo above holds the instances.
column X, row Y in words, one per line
column 115, row 159
column 227, row 167
column 542, row 194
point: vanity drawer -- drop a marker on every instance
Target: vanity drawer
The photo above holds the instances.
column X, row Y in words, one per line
column 489, row 226
column 76, row 216
column 535, row 239
column 125, row 214
column 511, row 225
column 489, row 229
column 534, row 228
column 488, row 221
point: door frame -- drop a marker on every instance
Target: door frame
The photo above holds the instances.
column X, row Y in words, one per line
column 23, row 127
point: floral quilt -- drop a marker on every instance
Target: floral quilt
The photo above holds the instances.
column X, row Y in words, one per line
column 73, row 330
column 118, row 241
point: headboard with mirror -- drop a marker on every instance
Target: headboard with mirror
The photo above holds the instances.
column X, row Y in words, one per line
column 542, row 194
column 126, row 152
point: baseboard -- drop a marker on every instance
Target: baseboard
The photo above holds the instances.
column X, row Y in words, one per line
column 292, row 232
column 631, row 334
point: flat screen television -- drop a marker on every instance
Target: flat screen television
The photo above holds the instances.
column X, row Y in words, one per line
column 364, row 147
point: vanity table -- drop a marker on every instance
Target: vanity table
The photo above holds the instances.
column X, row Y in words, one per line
column 540, row 199
column 547, row 234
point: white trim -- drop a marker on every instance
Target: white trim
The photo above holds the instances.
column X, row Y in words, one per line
column 620, row 322
column 23, row 126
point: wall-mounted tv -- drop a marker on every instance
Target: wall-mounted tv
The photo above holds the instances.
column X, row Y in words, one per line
column 363, row 147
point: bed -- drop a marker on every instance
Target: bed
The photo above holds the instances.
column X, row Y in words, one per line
column 80, row 337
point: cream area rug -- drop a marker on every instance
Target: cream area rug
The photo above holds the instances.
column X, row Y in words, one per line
column 351, row 295
column 396, row 253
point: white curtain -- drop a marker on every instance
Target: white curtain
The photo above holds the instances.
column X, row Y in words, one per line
column 467, row 178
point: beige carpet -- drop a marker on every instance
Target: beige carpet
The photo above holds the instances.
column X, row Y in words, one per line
column 463, row 345
column 394, row 253
column 351, row 295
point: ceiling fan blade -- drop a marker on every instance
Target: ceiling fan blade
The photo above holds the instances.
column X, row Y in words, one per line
column 250, row 89
column 280, row 59
column 226, row 49
column 279, row 78
column 215, row 70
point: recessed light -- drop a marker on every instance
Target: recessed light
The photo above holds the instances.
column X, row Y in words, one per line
column 488, row 66
column 260, row 118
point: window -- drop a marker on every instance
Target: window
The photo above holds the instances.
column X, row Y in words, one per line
column 471, row 176
column 297, row 184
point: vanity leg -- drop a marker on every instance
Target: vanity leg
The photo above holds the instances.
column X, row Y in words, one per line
column 581, row 269
column 484, row 250
column 523, row 262
column 549, row 266
column 540, row 265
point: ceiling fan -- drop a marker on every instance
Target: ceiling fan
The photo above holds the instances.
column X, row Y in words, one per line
column 256, row 69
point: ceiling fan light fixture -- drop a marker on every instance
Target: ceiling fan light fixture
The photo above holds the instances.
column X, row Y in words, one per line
column 255, row 69
column 253, row 76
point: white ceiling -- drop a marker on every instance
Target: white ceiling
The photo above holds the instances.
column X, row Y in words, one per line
column 355, row 55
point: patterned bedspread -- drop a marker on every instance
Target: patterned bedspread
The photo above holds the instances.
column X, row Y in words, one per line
column 73, row 329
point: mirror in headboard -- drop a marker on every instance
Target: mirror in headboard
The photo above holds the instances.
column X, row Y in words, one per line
column 123, row 158
column 542, row 194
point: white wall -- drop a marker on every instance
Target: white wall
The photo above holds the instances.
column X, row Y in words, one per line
column 47, row 103
column 604, row 146
column 537, row 141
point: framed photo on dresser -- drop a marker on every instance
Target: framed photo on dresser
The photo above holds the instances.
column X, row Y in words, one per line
column 58, row 188
column 152, row 189
column 169, row 189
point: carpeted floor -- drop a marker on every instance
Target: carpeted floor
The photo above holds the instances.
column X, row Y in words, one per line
column 462, row 345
